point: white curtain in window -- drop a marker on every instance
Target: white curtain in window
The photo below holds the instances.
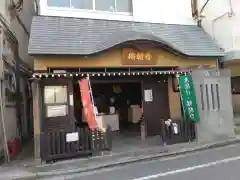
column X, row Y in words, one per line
column 82, row 4
column 123, row 5
column 55, row 99
column 100, row 5
column 105, row 5
column 55, row 94
column 61, row 94
column 49, row 95
column 58, row 3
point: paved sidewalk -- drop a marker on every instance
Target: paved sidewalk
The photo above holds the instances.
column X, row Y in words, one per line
column 94, row 163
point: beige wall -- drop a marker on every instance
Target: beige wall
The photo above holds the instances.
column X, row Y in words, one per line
column 113, row 59
column 236, row 103
column 234, row 66
column 235, row 71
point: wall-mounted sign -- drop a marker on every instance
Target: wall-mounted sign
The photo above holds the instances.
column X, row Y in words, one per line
column 148, row 95
column 72, row 137
column 135, row 57
column 71, row 101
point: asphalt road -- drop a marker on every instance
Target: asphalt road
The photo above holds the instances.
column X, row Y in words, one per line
column 215, row 164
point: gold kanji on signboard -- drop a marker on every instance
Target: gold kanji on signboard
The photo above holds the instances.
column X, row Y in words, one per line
column 132, row 56
column 148, row 56
column 140, row 56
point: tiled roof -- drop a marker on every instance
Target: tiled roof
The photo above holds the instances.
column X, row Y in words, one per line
column 80, row 36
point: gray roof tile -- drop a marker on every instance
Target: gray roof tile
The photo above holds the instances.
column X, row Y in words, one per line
column 80, row 36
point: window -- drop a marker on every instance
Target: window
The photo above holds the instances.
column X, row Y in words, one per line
column 59, row 3
column 98, row 5
column 124, row 5
column 55, row 100
column 82, row 4
column 105, row 5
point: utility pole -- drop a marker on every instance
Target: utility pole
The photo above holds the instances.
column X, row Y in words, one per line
column 2, row 97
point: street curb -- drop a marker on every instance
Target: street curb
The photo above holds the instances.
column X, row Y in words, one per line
column 133, row 160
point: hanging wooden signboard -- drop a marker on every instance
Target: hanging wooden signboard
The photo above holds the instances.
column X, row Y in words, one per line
column 136, row 57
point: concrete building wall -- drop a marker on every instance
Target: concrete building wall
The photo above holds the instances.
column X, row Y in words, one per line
column 3, row 8
column 25, row 15
column 214, row 99
column 221, row 21
column 21, row 30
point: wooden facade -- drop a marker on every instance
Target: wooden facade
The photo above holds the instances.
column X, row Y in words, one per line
column 165, row 105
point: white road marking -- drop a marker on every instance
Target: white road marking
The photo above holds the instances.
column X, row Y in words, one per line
column 189, row 169
column 190, row 154
column 94, row 172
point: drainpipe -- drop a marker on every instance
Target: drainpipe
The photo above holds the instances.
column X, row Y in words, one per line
column 14, row 42
column 203, row 7
column 199, row 22
column 22, row 24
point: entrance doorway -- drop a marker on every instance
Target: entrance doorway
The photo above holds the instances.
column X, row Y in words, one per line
column 121, row 103
column 118, row 101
